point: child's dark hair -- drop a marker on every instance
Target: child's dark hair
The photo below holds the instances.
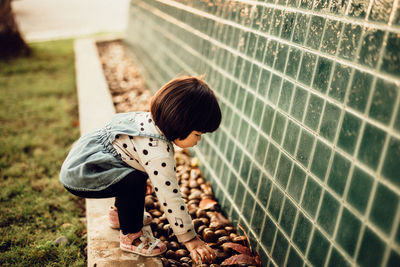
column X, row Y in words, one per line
column 183, row 105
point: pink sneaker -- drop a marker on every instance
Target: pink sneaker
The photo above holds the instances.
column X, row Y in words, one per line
column 142, row 243
column 114, row 221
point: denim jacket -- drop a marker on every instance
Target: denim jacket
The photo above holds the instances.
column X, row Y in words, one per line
column 93, row 164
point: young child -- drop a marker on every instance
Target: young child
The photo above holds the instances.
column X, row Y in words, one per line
column 116, row 161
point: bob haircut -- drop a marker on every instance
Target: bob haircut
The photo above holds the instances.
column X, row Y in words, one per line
column 183, row 105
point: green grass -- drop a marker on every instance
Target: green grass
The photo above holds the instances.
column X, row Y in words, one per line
column 38, row 115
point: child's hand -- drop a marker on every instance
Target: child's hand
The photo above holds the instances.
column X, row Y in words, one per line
column 200, row 251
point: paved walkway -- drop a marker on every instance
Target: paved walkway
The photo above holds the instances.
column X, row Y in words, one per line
column 41, row 20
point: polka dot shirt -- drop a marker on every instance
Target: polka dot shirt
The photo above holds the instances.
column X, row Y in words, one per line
column 156, row 157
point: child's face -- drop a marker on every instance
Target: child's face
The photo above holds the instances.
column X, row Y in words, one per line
column 189, row 141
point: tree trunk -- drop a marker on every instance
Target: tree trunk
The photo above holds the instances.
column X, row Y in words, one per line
column 11, row 42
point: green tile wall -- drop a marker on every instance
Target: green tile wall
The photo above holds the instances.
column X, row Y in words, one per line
column 307, row 157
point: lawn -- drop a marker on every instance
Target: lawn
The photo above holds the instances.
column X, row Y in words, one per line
column 39, row 123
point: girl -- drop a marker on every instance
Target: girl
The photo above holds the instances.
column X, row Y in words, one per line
column 116, row 161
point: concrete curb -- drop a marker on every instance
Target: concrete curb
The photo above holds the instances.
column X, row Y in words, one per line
column 95, row 110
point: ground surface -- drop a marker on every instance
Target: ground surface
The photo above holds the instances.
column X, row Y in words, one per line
column 38, row 119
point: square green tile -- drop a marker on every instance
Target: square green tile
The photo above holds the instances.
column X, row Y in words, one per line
column 384, row 208
column 251, row 44
column 251, row 140
column 371, row 145
column 330, row 121
column 328, row 213
column 280, row 249
column 304, row 148
column 302, row 232
column 338, row 175
column 397, row 121
column 288, row 25
column 238, row 67
column 391, row 166
column 288, row 216
column 263, row 84
column 270, row 53
column 258, row 111
column 306, row 4
column 299, row 103
column 371, row 250
column 294, row 259
column 383, row 101
column 394, row 259
column 307, row 68
column 359, row 91
column 283, row 171
column 322, row 74
column 296, row 184
column 292, row 134
column 233, row 180
column 268, row 234
column 245, row 168
column 349, row 133
column 255, row 74
column 248, row 205
column 229, row 150
column 300, row 28
column 281, row 55
column 254, row 178
column 257, row 17
column 311, row 197
column 293, row 3
column 320, row 161
column 360, row 189
column 237, row 159
column 337, row 259
column 315, row 32
column 314, row 111
column 265, row 190
column 318, row 249
column 257, row 220
column 233, row 93
column 244, row 37
column 349, row 41
column 239, row 194
column 245, row 75
column 274, row 88
column 286, row 95
column 271, row 159
column 261, row 149
column 260, row 48
column 331, row 37
column 268, row 116
column 348, row 231
column 244, row 126
column 397, row 237
column 276, row 22
column 340, row 79
column 293, row 62
column 275, row 202
column 240, row 98
column 248, row 106
column 391, row 59
column 279, row 127
column 267, row 19
column 370, row 47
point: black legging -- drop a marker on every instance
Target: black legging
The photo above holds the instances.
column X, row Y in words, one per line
column 129, row 196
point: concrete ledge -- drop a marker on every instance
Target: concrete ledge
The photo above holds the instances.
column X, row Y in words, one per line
column 95, row 110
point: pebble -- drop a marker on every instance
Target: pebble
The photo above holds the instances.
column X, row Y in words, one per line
column 62, row 240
